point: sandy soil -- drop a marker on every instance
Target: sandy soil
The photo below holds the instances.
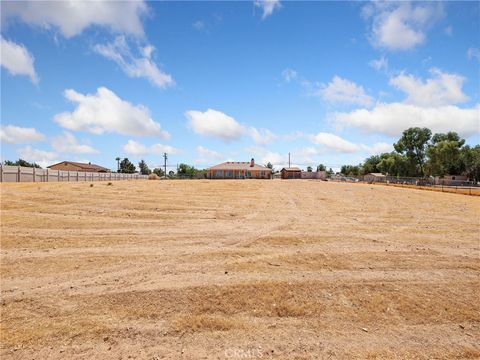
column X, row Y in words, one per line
column 238, row 270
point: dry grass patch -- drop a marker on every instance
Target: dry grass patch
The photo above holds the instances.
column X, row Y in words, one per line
column 194, row 323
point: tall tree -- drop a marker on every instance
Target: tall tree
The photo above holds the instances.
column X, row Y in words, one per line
column 413, row 145
column 394, row 164
column 470, row 157
column 444, row 154
column 144, row 170
column 185, row 170
column 309, row 169
column 371, row 164
column 159, row 172
column 321, row 167
column 127, row 167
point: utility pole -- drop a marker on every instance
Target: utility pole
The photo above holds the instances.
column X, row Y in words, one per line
column 288, row 159
column 165, row 157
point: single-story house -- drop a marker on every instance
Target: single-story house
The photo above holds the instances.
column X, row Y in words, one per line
column 451, row 180
column 239, row 170
column 291, row 173
column 374, row 177
column 76, row 166
column 319, row 175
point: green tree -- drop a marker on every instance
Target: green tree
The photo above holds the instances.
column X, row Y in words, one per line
column 144, row 169
column 371, row 164
column 413, row 145
column 394, row 164
column 350, row 170
column 21, row 162
column 309, row 169
column 444, row 154
column 321, row 167
column 330, row 172
column 159, row 172
column 185, row 170
column 470, row 157
column 127, row 167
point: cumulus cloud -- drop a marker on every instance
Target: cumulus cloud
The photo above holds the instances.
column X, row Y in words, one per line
column 138, row 65
column 262, row 136
column 400, row 25
column 267, row 6
column 344, row 91
column 391, row 119
column 333, row 142
column 67, row 143
column 378, row 148
column 207, row 156
column 215, row 124
column 289, row 75
column 104, row 111
column 135, row 148
column 441, row 89
column 19, row 135
column 71, row 17
column 41, row 157
column 17, row 60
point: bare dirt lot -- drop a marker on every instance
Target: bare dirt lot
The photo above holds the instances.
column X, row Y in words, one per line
column 238, row 270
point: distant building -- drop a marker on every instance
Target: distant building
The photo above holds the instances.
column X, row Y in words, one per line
column 319, row 175
column 291, row 173
column 76, row 166
column 239, row 170
column 374, row 177
column 451, row 180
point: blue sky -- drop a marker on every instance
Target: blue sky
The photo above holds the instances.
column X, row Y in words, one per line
column 206, row 82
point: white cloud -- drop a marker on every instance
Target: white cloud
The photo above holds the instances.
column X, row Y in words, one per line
column 135, row 66
column 134, row 148
column 392, row 119
column 344, row 91
column 378, row 148
column 19, row 135
column 268, row 6
column 400, row 25
column 380, row 64
column 215, row 124
column 67, row 143
column 207, row 156
column 71, row 17
column 106, row 112
column 333, row 142
column 262, row 136
column 289, row 75
column 41, row 157
column 473, row 53
column 17, row 60
column 441, row 89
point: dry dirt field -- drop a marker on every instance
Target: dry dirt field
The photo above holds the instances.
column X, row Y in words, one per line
column 238, row 270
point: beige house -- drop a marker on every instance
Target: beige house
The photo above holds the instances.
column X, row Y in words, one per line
column 374, row 177
column 239, row 170
column 450, row 179
column 76, row 166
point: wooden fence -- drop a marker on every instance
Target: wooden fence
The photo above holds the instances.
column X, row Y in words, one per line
column 26, row 174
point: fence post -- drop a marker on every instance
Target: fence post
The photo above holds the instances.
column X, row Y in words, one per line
column 1, row 173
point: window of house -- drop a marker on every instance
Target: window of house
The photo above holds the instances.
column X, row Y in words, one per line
column 218, row 173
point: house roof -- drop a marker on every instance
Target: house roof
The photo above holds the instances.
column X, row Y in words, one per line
column 377, row 174
column 291, row 169
column 238, row 165
column 83, row 166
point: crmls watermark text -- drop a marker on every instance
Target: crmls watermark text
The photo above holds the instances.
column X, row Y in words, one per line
column 239, row 353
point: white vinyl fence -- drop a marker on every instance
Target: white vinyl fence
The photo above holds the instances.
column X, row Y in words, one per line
column 26, row 174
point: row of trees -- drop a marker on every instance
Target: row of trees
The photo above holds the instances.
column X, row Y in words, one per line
column 417, row 154
column 21, row 162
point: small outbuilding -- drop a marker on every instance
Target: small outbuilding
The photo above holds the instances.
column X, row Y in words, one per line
column 374, row 177
column 291, row 173
column 76, row 166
